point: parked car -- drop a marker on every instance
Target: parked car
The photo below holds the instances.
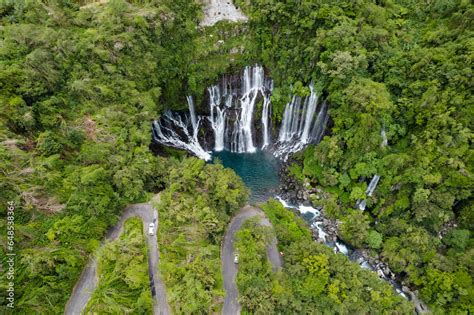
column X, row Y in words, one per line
column 151, row 228
column 236, row 259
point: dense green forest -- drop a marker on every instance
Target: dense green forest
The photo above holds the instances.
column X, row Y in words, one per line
column 313, row 277
column 255, row 280
column 78, row 91
column 123, row 275
column 79, row 87
column 405, row 67
column 194, row 212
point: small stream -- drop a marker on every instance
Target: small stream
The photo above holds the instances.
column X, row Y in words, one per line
column 314, row 219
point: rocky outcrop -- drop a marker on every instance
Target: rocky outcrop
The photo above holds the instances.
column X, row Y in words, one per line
column 220, row 10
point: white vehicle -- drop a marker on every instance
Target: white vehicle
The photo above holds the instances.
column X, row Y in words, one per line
column 236, row 259
column 151, row 228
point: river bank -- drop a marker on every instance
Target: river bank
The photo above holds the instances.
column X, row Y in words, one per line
column 298, row 197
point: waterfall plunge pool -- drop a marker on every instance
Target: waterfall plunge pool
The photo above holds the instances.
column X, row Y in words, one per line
column 259, row 171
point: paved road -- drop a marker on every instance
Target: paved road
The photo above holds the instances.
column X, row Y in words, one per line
column 88, row 281
column 229, row 268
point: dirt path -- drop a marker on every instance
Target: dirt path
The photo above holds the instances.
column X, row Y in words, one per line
column 229, row 268
column 88, row 281
column 219, row 10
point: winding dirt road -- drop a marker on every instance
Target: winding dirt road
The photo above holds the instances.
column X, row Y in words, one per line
column 229, row 268
column 88, row 281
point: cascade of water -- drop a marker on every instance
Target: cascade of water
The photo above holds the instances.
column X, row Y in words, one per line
column 285, row 121
column 299, row 125
column 291, row 119
column 253, row 84
column 231, row 117
column 172, row 131
column 310, row 109
column 320, row 124
column 361, row 204
column 192, row 111
column 265, row 122
column 372, row 185
column 217, row 117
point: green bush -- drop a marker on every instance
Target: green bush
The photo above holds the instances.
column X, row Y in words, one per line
column 194, row 212
column 123, row 285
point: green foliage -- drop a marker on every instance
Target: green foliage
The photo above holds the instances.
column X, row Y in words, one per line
column 124, row 285
column 354, row 228
column 374, row 239
column 80, row 86
column 49, row 144
column 288, row 229
column 398, row 66
column 457, row 239
column 257, row 284
column 194, row 211
column 315, row 278
column 296, row 172
column 79, row 89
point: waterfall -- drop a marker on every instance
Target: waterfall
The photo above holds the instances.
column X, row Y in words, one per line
column 172, row 131
column 217, row 117
column 265, row 122
column 320, row 125
column 300, row 126
column 231, row 115
column 372, row 185
column 253, row 80
column 192, row 112
column 232, row 111
column 361, row 204
column 311, row 108
column 289, row 125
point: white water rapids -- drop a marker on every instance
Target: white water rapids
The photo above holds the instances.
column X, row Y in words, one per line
column 315, row 219
column 173, row 131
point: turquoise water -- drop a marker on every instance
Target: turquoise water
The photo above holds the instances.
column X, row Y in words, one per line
column 259, row 171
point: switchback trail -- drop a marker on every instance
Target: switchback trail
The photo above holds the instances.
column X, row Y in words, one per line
column 229, row 268
column 88, row 281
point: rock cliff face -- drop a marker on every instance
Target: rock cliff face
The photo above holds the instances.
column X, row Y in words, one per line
column 221, row 10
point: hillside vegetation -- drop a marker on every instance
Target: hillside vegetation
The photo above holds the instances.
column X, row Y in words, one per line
column 194, row 212
column 79, row 88
column 405, row 68
column 123, row 286
column 313, row 278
